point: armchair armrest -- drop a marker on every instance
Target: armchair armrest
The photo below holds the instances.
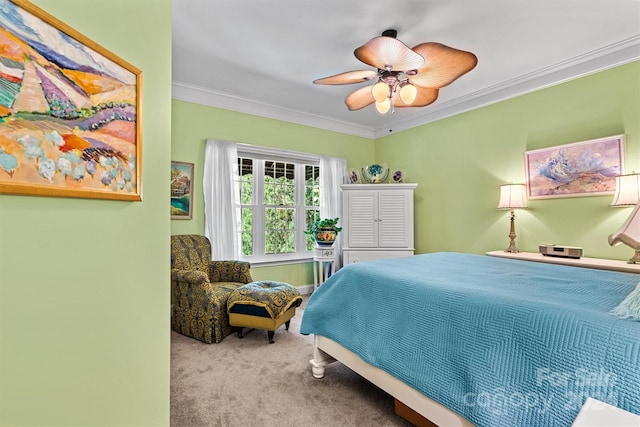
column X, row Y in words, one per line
column 191, row 276
column 230, row 271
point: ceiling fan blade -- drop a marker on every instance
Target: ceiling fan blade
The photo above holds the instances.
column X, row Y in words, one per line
column 424, row 97
column 348, row 77
column 359, row 98
column 443, row 64
column 387, row 53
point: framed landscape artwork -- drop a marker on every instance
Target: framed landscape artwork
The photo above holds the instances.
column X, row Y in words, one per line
column 69, row 111
column 181, row 190
column 587, row 168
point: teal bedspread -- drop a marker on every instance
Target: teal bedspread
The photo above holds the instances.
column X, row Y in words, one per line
column 501, row 342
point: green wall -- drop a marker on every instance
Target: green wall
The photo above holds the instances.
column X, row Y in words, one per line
column 84, row 285
column 460, row 162
column 193, row 124
column 84, row 290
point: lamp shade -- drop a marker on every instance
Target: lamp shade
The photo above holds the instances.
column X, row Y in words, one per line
column 408, row 93
column 383, row 106
column 627, row 190
column 380, row 91
column 512, row 196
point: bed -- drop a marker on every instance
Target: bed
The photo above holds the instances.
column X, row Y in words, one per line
column 466, row 339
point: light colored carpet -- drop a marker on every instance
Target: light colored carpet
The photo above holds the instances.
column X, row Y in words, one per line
column 249, row 382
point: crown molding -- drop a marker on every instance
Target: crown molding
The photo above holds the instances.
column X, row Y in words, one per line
column 610, row 56
column 186, row 92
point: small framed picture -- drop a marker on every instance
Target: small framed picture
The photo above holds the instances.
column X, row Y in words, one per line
column 181, row 190
column 397, row 176
column 354, row 176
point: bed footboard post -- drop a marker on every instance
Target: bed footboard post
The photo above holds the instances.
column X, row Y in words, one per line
column 319, row 361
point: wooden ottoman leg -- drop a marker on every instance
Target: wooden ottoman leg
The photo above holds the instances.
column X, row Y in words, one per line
column 270, row 334
column 239, row 331
column 286, row 324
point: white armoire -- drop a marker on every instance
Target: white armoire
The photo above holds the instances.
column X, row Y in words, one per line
column 377, row 221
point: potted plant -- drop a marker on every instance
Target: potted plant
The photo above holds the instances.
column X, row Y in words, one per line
column 324, row 231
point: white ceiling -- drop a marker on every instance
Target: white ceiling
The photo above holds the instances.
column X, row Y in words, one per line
column 261, row 56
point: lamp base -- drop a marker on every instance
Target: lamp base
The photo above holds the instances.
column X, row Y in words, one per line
column 635, row 259
column 512, row 248
column 512, row 245
column 512, row 235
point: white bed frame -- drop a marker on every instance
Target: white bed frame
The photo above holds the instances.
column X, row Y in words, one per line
column 326, row 351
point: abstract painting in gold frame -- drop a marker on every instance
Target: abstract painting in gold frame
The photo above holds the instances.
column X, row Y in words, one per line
column 69, row 111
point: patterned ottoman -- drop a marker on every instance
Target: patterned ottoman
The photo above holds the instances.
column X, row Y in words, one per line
column 263, row 305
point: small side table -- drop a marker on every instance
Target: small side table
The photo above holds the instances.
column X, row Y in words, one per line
column 324, row 260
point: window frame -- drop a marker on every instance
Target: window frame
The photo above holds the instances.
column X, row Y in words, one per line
column 300, row 160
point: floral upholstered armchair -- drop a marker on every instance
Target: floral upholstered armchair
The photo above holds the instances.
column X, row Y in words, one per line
column 200, row 288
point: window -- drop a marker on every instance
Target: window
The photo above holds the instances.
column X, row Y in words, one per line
column 279, row 197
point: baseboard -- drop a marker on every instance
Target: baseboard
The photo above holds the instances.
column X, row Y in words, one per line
column 305, row 290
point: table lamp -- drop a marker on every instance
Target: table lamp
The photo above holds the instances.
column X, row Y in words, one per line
column 512, row 196
column 628, row 194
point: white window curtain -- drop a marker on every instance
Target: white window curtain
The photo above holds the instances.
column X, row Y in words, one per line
column 221, row 199
column 333, row 171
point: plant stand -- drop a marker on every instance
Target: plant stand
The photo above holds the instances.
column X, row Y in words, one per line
column 323, row 264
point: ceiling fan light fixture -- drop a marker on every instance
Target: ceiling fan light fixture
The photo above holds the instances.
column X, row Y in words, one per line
column 383, row 106
column 408, row 93
column 404, row 77
column 380, row 91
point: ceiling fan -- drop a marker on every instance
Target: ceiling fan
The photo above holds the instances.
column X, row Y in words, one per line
column 406, row 77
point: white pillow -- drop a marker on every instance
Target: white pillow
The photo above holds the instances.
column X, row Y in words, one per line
column 629, row 308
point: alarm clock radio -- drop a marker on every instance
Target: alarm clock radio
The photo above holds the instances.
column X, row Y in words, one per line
column 561, row 251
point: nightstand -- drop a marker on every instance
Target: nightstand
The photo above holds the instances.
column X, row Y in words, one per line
column 597, row 263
